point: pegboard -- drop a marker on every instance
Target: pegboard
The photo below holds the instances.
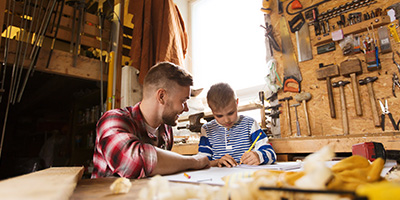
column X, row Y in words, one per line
column 321, row 122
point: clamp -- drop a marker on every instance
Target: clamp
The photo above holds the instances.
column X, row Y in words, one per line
column 395, row 80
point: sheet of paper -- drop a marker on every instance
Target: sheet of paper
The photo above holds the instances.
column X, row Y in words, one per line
column 214, row 175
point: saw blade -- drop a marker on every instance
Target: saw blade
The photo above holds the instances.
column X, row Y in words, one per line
column 290, row 67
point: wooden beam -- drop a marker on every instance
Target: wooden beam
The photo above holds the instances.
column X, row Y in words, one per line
column 391, row 141
column 61, row 63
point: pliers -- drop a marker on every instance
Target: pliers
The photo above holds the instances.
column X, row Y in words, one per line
column 395, row 80
column 385, row 111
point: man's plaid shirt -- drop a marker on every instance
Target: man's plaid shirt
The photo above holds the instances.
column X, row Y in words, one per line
column 124, row 147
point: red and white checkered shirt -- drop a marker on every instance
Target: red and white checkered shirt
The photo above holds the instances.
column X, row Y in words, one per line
column 123, row 145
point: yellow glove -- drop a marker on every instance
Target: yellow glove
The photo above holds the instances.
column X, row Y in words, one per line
column 349, row 163
column 354, row 171
column 380, row 191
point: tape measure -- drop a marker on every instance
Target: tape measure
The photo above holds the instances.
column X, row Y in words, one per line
column 369, row 150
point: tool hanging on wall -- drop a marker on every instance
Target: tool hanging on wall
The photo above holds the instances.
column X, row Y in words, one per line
column 303, row 98
column 291, row 71
column 352, row 68
column 327, row 72
column 393, row 32
column 305, row 9
column 385, row 111
column 298, row 133
column 345, row 120
column 395, row 83
column 286, row 100
column 368, row 81
column 269, row 33
column 394, row 61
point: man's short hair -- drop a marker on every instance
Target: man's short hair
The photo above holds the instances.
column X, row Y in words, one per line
column 220, row 95
column 162, row 74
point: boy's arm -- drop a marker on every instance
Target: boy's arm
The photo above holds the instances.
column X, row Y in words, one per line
column 205, row 147
column 264, row 150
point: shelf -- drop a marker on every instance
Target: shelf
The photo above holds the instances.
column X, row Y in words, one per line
column 354, row 29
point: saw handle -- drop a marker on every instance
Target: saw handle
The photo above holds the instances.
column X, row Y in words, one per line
column 291, row 79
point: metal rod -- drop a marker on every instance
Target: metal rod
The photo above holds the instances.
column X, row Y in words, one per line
column 101, row 61
column 6, row 46
column 26, row 48
column 55, row 33
column 37, row 37
column 19, row 52
column 36, row 54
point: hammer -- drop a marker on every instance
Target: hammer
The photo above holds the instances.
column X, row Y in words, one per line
column 327, row 72
column 297, row 118
column 304, row 97
column 352, row 68
column 345, row 122
column 286, row 100
column 368, row 81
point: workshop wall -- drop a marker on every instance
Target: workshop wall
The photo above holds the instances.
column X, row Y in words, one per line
column 321, row 122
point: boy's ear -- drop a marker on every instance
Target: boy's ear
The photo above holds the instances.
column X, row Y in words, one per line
column 237, row 101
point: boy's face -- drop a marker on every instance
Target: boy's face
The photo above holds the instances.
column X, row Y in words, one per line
column 227, row 116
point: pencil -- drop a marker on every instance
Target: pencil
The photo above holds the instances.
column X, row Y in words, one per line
column 187, row 176
column 254, row 143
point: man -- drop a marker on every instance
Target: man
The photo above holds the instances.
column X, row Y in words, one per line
column 133, row 142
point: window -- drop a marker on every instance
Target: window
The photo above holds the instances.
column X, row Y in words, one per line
column 227, row 44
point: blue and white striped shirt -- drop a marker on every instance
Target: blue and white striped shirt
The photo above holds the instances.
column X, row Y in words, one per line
column 216, row 140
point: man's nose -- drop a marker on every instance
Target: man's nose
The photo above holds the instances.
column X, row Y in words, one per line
column 185, row 107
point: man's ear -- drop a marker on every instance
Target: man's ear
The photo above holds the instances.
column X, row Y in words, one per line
column 161, row 95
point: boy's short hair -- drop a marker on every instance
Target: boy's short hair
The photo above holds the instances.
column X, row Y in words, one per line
column 163, row 74
column 220, row 95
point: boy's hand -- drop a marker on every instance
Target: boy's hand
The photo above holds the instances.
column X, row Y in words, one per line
column 250, row 158
column 227, row 161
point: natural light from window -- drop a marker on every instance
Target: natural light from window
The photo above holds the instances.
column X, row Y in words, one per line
column 227, row 43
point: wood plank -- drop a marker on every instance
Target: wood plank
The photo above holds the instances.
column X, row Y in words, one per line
column 89, row 41
column 51, row 183
column 61, row 63
column 93, row 30
column 186, row 149
column 94, row 19
column 391, row 141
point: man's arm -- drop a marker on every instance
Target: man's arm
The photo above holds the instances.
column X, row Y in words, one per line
column 170, row 162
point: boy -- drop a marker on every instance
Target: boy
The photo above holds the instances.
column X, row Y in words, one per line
column 226, row 139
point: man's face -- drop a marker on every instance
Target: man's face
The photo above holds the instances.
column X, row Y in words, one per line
column 175, row 104
column 227, row 116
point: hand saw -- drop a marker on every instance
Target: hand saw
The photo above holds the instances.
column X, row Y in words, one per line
column 291, row 71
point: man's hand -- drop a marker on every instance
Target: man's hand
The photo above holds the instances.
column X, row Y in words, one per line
column 250, row 158
column 226, row 160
